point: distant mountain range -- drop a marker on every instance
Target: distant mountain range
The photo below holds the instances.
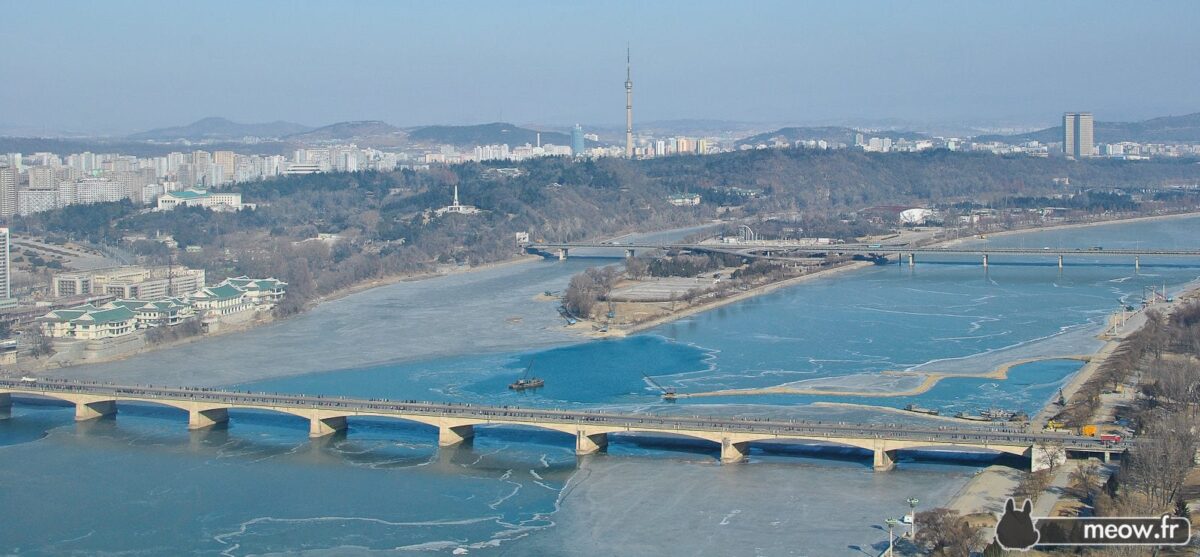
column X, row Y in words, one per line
column 367, row 133
column 219, row 128
column 485, row 134
column 372, row 133
column 831, row 134
column 1167, row 129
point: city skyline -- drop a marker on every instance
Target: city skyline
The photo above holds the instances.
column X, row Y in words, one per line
column 920, row 63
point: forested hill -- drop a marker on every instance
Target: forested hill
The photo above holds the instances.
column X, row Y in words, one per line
column 832, row 134
column 485, row 134
column 1168, row 129
column 385, row 225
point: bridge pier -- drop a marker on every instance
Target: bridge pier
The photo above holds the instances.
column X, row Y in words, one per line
column 885, row 460
column 985, row 260
column 629, row 253
column 94, row 410
column 5, row 406
column 912, row 259
column 1060, row 262
column 562, row 254
column 322, row 426
column 448, row 436
column 1137, row 263
column 586, row 443
column 200, row 419
column 733, row 453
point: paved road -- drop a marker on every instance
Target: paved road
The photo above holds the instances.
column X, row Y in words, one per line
column 515, row 415
column 882, row 249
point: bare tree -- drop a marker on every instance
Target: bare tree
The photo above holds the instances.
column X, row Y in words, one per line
column 1050, row 454
column 1086, row 476
column 945, row 533
column 38, row 342
column 636, row 267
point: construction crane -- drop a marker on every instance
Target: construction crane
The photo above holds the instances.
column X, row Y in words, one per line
column 668, row 393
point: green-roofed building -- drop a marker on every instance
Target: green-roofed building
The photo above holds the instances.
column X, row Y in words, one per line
column 87, row 322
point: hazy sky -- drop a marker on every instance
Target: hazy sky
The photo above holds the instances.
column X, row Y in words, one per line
column 120, row 66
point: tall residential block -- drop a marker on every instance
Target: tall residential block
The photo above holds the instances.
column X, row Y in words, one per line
column 577, row 141
column 1077, row 134
column 8, row 191
column 6, row 299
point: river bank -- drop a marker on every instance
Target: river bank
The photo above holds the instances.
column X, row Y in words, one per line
column 719, row 302
column 597, row 330
column 986, row 493
column 1100, row 222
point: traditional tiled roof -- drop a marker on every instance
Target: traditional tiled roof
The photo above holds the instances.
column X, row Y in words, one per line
column 249, row 284
column 219, row 292
column 63, row 315
column 108, row 315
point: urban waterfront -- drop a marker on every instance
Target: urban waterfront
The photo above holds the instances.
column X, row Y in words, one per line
column 142, row 484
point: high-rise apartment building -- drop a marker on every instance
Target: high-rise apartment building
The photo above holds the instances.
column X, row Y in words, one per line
column 577, row 143
column 42, row 178
column 8, row 191
column 228, row 162
column 1077, row 134
column 6, row 299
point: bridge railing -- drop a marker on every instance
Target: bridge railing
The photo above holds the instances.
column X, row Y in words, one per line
column 941, row 434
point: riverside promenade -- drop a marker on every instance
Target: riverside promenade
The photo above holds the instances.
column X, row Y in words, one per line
column 456, row 423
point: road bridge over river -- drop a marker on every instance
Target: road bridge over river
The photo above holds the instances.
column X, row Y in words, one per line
column 784, row 250
column 456, row 422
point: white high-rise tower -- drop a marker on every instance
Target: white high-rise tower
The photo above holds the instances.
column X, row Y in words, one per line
column 628, row 106
column 6, row 299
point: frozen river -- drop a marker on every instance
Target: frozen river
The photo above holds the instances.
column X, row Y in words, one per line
column 143, row 485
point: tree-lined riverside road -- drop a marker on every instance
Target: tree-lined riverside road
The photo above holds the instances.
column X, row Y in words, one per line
column 456, row 422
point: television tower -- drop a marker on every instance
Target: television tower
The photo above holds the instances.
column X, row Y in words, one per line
column 628, row 107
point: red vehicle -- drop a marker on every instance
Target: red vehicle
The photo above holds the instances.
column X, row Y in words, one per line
column 1110, row 438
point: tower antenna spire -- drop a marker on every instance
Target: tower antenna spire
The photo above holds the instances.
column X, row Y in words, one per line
column 628, row 105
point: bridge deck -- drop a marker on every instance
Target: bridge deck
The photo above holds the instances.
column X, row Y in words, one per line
column 763, row 429
column 867, row 249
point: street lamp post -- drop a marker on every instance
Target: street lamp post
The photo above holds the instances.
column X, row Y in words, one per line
column 891, row 523
column 912, row 517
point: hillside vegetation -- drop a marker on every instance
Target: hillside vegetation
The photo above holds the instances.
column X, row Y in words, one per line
column 384, row 223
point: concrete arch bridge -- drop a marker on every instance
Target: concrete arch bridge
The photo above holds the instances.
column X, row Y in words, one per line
column 456, row 422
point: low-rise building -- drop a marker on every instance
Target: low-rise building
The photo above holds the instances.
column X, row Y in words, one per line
column 157, row 313
column 259, row 292
column 88, row 322
column 217, row 201
column 684, row 199
column 221, row 300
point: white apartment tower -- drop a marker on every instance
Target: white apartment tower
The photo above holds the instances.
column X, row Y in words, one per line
column 8, row 192
column 6, row 299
